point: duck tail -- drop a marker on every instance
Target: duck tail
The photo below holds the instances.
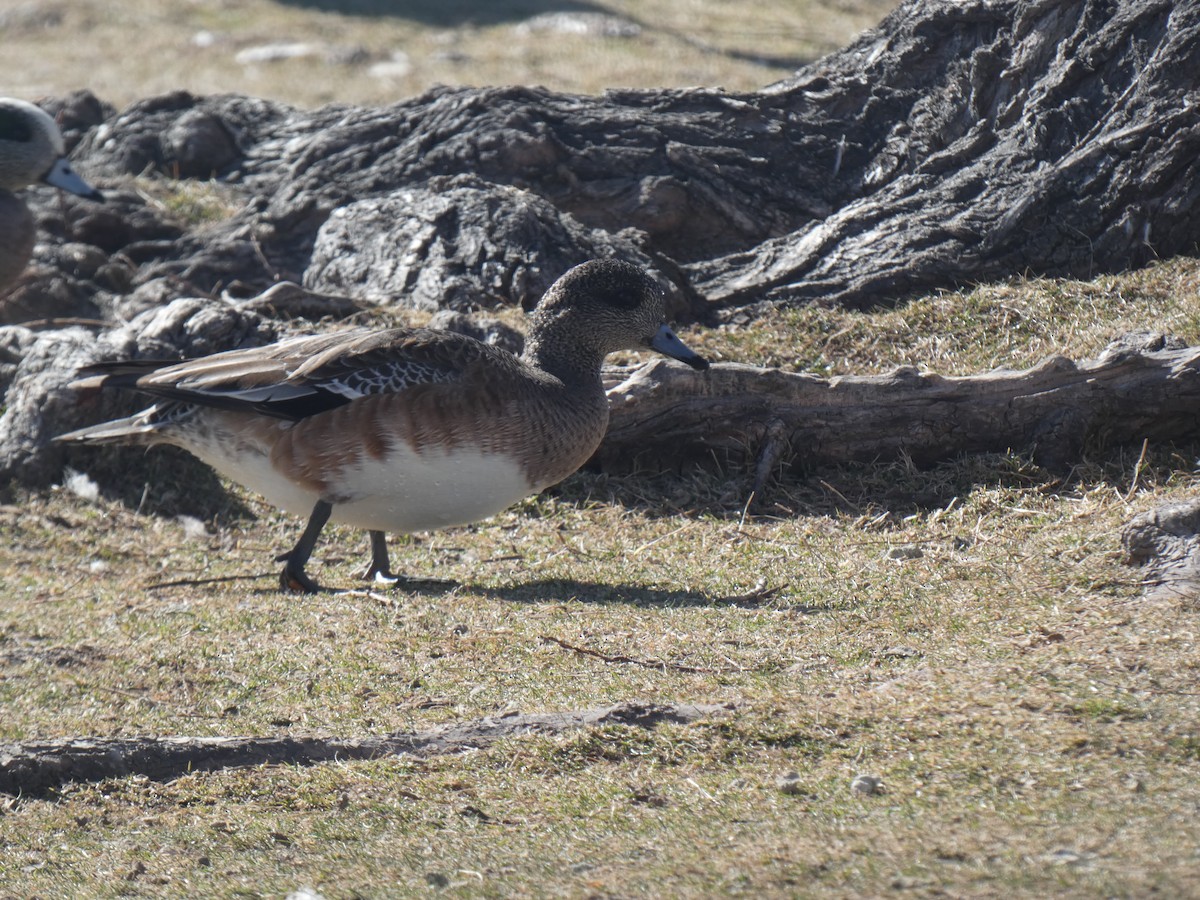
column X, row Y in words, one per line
column 142, row 428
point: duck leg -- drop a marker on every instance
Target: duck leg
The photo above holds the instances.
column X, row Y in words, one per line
column 380, row 569
column 293, row 579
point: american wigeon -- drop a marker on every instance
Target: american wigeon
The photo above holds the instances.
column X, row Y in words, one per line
column 404, row 430
column 31, row 149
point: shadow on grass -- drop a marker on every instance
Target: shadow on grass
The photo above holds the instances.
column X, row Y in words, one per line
column 161, row 481
column 562, row 590
column 722, row 489
column 544, row 591
column 550, row 590
column 449, row 13
column 565, row 590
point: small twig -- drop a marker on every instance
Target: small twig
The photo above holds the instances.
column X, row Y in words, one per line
column 702, row 791
column 573, row 551
column 121, row 692
column 662, row 537
column 610, row 658
column 745, row 511
column 197, row 582
column 66, row 321
column 194, row 715
column 841, row 332
column 258, row 251
column 1137, row 470
column 829, row 487
column 381, row 599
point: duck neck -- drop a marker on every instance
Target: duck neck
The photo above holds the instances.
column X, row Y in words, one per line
column 564, row 348
column 572, row 362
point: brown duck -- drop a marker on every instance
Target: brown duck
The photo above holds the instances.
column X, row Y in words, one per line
column 406, row 429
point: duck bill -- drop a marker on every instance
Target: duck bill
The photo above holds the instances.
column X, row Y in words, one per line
column 61, row 175
column 666, row 342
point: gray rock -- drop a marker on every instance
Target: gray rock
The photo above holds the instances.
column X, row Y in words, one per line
column 15, row 342
column 39, row 404
column 866, row 785
column 789, row 783
column 458, row 243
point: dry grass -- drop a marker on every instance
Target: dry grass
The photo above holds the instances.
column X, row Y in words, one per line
column 135, row 48
column 1014, row 325
column 969, row 634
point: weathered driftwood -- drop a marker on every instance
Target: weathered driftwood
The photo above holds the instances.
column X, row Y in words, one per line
column 966, row 141
column 32, row 768
column 1141, row 387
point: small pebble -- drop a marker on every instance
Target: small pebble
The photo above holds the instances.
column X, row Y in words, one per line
column 788, row 783
column 1066, row 856
column 269, row 53
column 867, row 784
column 397, row 66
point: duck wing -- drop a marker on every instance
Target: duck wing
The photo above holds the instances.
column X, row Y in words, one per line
column 300, row 377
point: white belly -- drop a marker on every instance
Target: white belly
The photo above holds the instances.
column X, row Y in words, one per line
column 250, row 466
column 409, row 492
column 403, row 492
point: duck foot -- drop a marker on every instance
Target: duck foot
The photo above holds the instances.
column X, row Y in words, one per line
column 379, row 569
column 293, row 579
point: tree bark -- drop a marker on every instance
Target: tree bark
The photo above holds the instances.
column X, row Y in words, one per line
column 35, row 768
column 970, row 141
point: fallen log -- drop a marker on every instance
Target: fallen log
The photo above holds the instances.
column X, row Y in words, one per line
column 1143, row 386
column 34, row 768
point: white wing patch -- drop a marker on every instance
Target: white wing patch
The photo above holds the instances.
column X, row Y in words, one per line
column 387, row 379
